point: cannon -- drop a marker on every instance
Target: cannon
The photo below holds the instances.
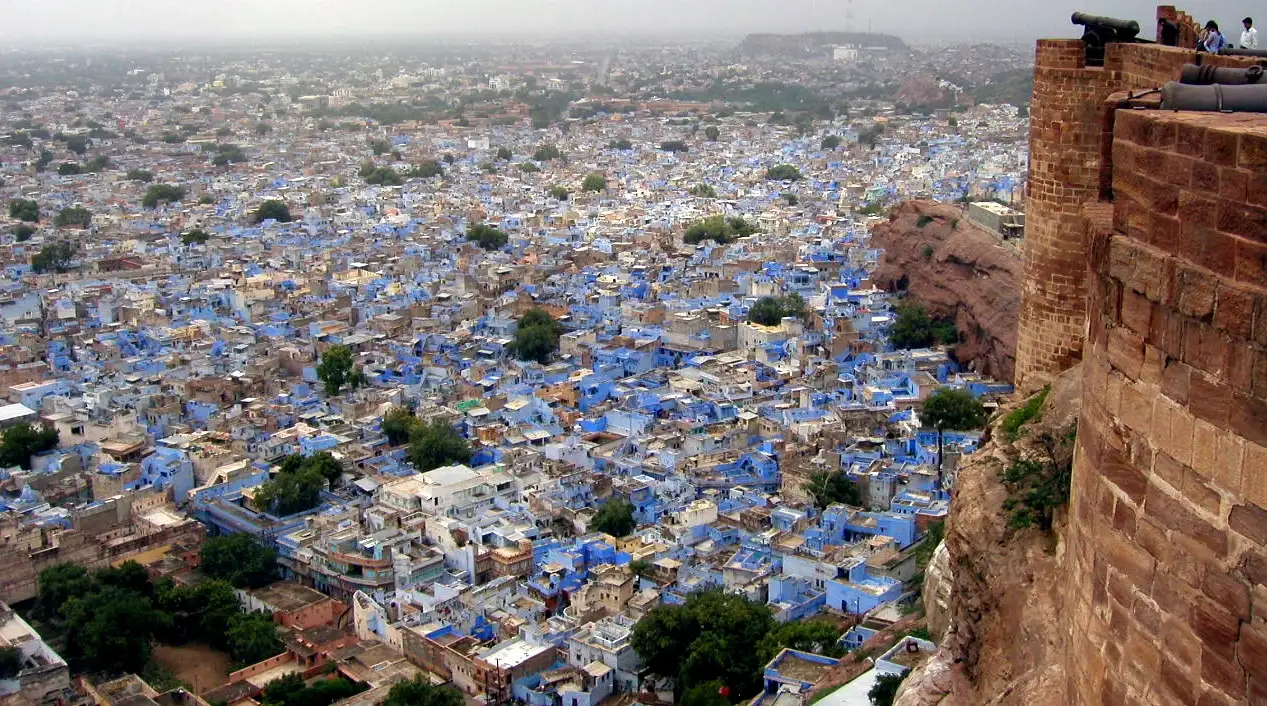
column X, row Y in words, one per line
column 1206, row 75
column 1101, row 31
column 1245, row 98
column 1260, row 53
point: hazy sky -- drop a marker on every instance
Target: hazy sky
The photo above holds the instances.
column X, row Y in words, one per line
column 167, row 20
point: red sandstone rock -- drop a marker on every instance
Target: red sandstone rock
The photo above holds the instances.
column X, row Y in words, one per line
column 970, row 277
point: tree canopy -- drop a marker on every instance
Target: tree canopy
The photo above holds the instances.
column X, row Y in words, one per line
column 536, row 336
column 272, row 209
column 337, row 369
column 559, row 193
column 487, row 236
column 703, row 191
column 720, row 229
column 712, row 133
column 615, row 517
column 884, row 691
column 54, row 257
column 295, row 488
column 594, row 182
column 954, row 408
column 108, row 619
column 73, row 217
column 437, row 444
column 24, row 210
column 830, row 142
column 914, row 328
column 227, row 154
column 426, row 169
column 621, row 144
column 420, row 692
column 293, row 690
column 240, row 560
column 547, row 153
column 398, row 424
column 22, row 441
column 142, row 175
column 783, row 172
column 712, row 636
column 674, row 146
column 162, row 193
column 828, row 487
column 770, row 311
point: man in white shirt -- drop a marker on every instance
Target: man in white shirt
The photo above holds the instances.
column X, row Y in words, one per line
column 1249, row 38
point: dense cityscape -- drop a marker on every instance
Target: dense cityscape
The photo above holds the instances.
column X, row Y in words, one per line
column 540, row 374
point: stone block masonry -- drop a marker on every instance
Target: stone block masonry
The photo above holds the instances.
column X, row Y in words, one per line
column 1167, row 585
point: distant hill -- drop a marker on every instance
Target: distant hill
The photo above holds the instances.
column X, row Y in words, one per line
column 1015, row 86
column 815, row 43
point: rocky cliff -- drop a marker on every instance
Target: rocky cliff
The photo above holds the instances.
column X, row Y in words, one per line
column 1000, row 614
column 958, row 271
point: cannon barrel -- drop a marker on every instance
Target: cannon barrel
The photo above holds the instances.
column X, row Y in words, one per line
column 1215, row 98
column 1124, row 29
column 1206, row 75
column 1245, row 52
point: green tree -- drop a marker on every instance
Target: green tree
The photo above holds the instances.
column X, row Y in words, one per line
column 427, row 169
column 162, row 193
column 437, row 444
column 708, row 693
column 504, row 154
column 703, row 191
column 615, row 517
column 815, row 636
column 790, row 198
column 272, row 209
column 398, row 424
column 10, row 662
column 263, row 128
column 54, row 257
column 59, row 584
column 594, row 182
column 224, row 131
column 334, row 368
column 419, row 691
column 239, row 560
column 783, row 172
column 830, row 142
column 111, row 630
column 77, row 144
column 227, row 154
column 128, row 576
column 69, row 169
column 24, row 210
column 21, row 441
column 97, row 164
column 828, row 487
column 536, row 336
column 884, row 691
column 719, row 229
column 173, row 138
column 487, row 236
column 142, row 175
column 620, row 144
column 252, row 637
column 197, row 235
column 953, row 408
column 770, row 311
column 674, row 146
column 640, row 567
column 559, row 193
column 383, row 176
column 712, row 133
column 289, row 493
column 73, row 217
column 23, row 232
column 914, row 328
column 712, row 636
column 547, row 153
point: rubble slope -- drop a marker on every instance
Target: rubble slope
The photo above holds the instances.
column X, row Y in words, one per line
column 1002, row 644
column 968, row 276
